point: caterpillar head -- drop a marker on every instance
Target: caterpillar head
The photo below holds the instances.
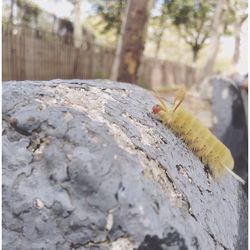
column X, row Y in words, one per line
column 156, row 109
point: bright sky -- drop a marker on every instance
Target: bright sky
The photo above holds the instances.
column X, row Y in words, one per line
column 63, row 8
column 244, row 52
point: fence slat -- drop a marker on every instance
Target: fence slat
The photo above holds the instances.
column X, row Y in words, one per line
column 43, row 57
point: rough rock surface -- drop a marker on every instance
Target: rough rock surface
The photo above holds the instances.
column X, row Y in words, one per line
column 229, row 121
column 86, row 166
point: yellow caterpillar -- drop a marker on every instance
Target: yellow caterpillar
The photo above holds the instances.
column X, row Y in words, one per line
column 198, row 138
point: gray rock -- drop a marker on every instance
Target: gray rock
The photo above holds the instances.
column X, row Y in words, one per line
column 229, row 122
column 87, row 166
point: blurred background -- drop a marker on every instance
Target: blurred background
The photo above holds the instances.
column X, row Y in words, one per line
column 46, row 39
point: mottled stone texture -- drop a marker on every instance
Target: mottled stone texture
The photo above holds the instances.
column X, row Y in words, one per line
column 229, row 121
column 86, row 166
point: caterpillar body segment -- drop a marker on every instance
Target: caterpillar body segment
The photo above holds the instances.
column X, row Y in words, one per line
column 198, row 138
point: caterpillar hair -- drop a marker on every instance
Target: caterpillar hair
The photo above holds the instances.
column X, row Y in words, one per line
column 197, row 137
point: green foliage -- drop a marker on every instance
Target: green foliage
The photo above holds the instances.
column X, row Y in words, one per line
column 188, row 12
column 159, row 23
column 30, row 10
column 193, row 20
column 237, row 13
column 110, row 12
column 95, row 24
column 5, row 13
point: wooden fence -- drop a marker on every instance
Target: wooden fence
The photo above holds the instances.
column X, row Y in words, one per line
column 27, row 56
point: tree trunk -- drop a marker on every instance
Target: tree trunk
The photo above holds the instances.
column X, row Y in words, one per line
column 77, row 36
column 236, row 55
column 158, row 43
column 131, row 41
column 77, row 24
column 217, row 30
column 159, row 34
column 11, row 11
column 237, row 29
column 195, row 51
column 11, row 62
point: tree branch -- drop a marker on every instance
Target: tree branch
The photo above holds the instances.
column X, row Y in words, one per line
column 206, row 35
column 243, row 18
column 185, row 37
